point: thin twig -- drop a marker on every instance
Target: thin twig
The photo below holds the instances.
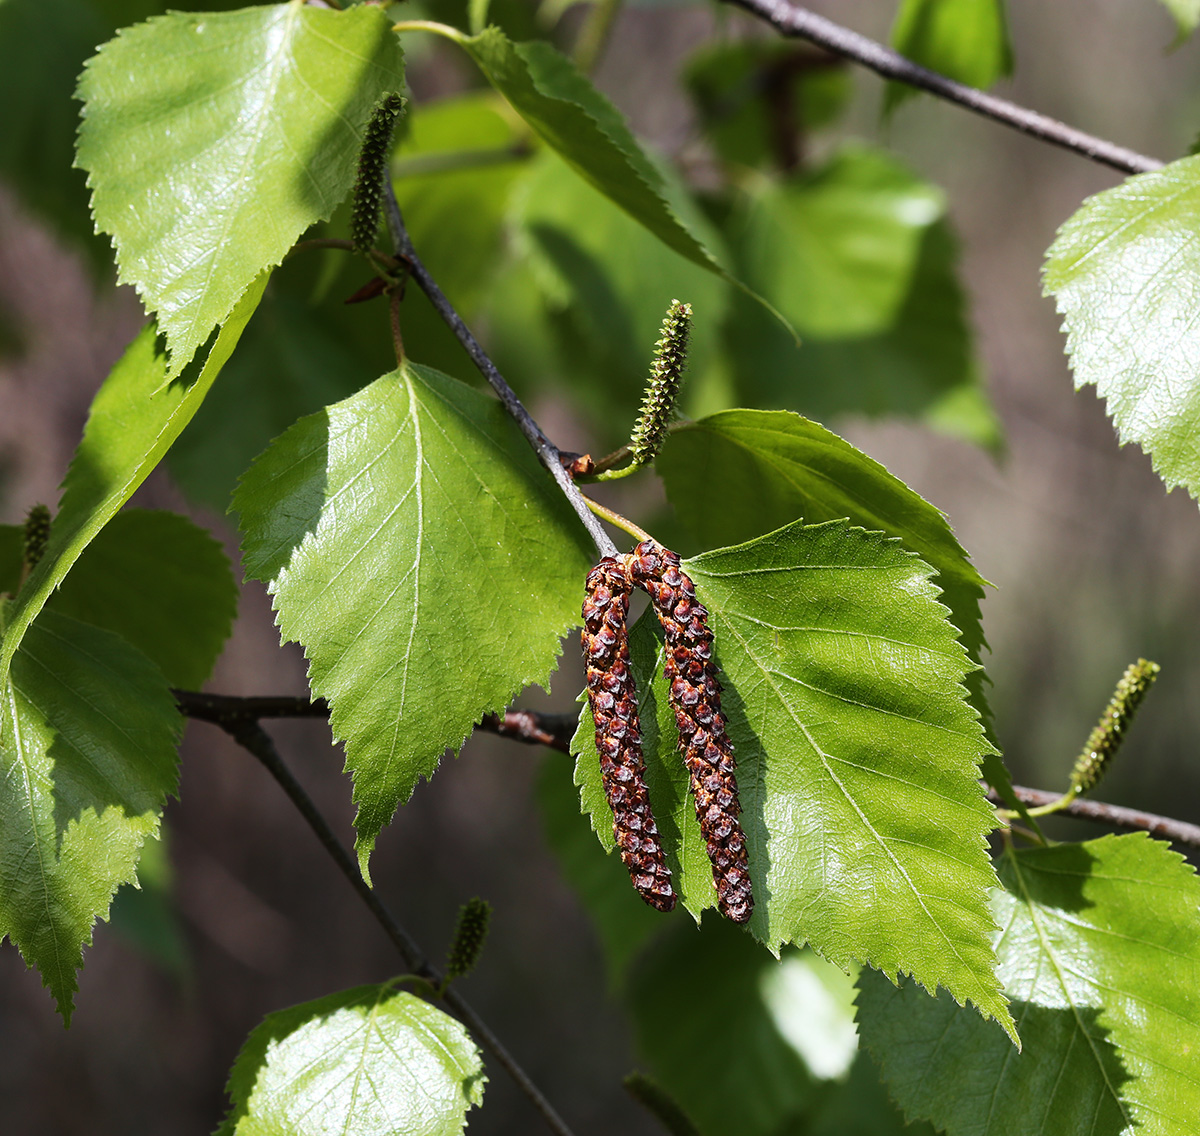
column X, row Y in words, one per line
column 255, row 739
column 1117, row 816
column 546, row 451
column 792, row 20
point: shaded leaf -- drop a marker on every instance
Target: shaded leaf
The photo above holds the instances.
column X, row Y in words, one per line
column 135, row 417
column 285, row 90
column 144, row 914
column 372, row 520
column 965, row 40
column 860, row 257
column 87, row 760
column 1099, row 951
column 857, row 758
column 163, row 584
column 1124, row 272
column 372, row 1061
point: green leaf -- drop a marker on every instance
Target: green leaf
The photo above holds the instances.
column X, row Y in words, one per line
column 740, row 474
column 371, row 521
column 965, row 40
column 623, row 922
column 605, row 287
column 1099, row 951
column 859, row 255
column 857, row 758
column 135, row 417
column 87, row 760
column 549, row 92
column 212, row 141
column 1125, row 274
column 163, row 584
column 372, row 1061
column 1186, row 13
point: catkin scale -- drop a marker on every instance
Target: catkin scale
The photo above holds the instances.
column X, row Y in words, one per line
column 612, row 695
column 695, row 697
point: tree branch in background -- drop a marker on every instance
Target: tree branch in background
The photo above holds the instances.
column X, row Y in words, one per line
column 247, row 732
column 792, row 20
column 546, row 450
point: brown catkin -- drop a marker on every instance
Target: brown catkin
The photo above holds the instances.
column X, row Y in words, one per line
column 695, row 696
column 612, row 695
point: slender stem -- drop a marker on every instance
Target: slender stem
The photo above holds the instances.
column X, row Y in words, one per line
column 594, row 35
column 255, row 739
column 615, row 518
column 546, row 451
column 430, row 26
column 320, row 243
column 793, row 20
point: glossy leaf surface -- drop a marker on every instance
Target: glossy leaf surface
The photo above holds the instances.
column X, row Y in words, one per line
column 1099, row 952
column 87, row 759
column 212, row 141
column 857, row 757
column 135, row 417
column 372, row 1061
column 374, row 519
column 1125, row 274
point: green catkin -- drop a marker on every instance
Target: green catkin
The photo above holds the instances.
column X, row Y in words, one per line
column 469, row 937
column 37, row 532
column 1106, row 738
column 666, row 375
column 372, row 165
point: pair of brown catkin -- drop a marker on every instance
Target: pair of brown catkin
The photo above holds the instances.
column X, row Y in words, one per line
column 695, row 698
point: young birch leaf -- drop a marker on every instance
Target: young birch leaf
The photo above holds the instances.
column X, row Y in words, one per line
column 373, row 1061
column 1186, row 13
column 135, row 417
column 87, row 759
column 163, row 584
column 1099, row 953
column 857, row 758
column 426, row 562
column 739, row 474
column 965, row 40
column 1124, row 272
column 213, row 140
column 559, row 102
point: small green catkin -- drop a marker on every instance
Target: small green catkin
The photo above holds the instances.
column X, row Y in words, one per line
column 469, row 937
column 372, row 164
column 1106, row 738
column 666, row 375
column 37, row 532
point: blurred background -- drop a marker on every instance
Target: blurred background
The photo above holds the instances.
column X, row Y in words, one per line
column 1093, row 563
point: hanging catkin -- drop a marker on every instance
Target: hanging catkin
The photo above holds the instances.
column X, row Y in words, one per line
column 695, row 696
column 372, row 168
column 1106, row 738
column 612, row 695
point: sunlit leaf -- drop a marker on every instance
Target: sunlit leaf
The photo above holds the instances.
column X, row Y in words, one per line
column 87, row 759
column 212, row 141
column 372, row 1061
column 857, row 757
column 374, row 519
column 1099, row 952
column 1125, row 274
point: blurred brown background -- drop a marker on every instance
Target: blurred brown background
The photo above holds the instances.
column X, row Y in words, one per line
column 1093, row 564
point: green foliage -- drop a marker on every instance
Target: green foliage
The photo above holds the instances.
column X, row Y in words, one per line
column 857, row 757
column 859, row 256
column 1101, row 988
column 87, row 758
column 372, row 1061
column 1123, row 272
column 1186, row 13
column 965, row 40
column 161, row 583
column 135, row 417
column 258, row 113
column 372, row 519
